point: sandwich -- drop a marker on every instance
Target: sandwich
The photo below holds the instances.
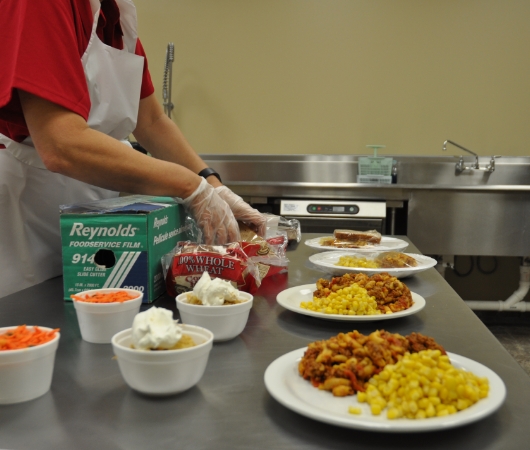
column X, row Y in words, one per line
column 352, row 239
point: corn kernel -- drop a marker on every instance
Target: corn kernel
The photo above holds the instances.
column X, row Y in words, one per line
column 376, row 409
column 423, row 403
column 384, row 375
column 430, row 411
column 433, row 392
column 393, row 413
column 421, row 414
column 451, row 409
column 435, row 400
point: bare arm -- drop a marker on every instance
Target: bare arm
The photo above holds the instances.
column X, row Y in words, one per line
column 163, row 139
column 68, row 146
column 158, row 134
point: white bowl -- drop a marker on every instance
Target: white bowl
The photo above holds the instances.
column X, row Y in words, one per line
column 26, row 374
column 98, row 322
column 225, row 321
column 163, row 372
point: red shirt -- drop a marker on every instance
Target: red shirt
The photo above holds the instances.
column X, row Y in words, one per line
column 41, row 44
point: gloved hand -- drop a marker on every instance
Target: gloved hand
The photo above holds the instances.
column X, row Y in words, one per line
column 243, row 211
column 213, row 215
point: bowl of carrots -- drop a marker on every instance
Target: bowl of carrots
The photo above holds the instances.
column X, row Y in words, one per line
column 27, row 358
column 102, row 313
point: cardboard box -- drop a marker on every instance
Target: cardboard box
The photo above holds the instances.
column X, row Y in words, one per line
column 119, row 243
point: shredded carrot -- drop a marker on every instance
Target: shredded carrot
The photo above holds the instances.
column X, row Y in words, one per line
column 111, row 297
column 22, row 337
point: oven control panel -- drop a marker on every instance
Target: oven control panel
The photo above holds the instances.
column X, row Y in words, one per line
column 318, row 208
column 327, row 208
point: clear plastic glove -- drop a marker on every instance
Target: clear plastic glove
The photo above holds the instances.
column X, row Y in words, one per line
column 243, row 211
column 212, row 214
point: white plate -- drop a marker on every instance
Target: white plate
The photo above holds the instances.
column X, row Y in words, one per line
column 290, row 299
column 326, row 261
column 284, row 383
column 387, row 244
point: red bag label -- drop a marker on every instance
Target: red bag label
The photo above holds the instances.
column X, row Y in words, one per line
column 217, row 266
column 229, row 263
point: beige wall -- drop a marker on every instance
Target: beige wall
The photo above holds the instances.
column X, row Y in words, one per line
column 330, row 76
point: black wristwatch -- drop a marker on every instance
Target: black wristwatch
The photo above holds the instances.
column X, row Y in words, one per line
column 205, row 173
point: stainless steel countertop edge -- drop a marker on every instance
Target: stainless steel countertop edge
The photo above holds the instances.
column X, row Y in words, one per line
column 521, row 188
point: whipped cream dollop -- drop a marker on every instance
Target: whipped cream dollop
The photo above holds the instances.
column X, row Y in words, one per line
column 214, row 292
column 155, row 329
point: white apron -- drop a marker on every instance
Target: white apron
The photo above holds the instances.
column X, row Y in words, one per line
column 30, row 195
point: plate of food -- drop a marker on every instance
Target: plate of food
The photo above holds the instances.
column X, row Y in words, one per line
column 353, row 298
column 360, row 241
column 292, row 298
column 357, row 391
column 398, row 264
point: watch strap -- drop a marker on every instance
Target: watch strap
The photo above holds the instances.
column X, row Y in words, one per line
column 205, row 173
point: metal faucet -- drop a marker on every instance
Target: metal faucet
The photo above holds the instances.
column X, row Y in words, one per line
column 491, row 166
column 166, row 86
column 460, row 164
column 460, row 167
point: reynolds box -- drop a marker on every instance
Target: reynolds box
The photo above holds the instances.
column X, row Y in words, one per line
column 119, row 243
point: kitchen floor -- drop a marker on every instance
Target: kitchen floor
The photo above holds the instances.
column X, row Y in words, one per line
column 512, row 329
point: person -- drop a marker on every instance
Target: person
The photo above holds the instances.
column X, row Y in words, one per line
column 74, row 84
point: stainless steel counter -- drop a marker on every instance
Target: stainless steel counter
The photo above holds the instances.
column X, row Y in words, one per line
column 90, row 407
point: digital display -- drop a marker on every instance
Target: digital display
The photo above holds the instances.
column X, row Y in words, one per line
column 321, row 208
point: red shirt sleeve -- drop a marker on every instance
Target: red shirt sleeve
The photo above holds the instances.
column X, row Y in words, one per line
column 42, row 57
column 42, row 45
column 147, row 83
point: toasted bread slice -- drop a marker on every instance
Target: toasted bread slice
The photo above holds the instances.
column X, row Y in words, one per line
column 366, row 237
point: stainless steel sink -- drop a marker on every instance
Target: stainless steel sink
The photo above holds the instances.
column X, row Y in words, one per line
column 412, row 171
column 441, row 172
column 448, row 213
